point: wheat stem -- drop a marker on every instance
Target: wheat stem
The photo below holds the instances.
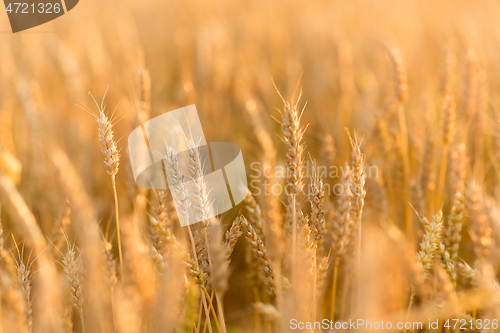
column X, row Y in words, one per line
column 294, row 241
column 82, row 320
column 118, row 236
column 334, row 288
column 412, row 296
column 217, row 296
column 207, row 313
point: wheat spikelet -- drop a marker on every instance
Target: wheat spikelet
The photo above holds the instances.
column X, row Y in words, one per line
column 454, row 226
column 260, row 252
column 255, row 216
column 447, row 263
column 430, row 242
column 158, row 260
column 317, row 209
column 197, row 274
column 231, row 237
column 467, row 275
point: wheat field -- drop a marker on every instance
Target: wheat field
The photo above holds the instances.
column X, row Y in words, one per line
column 371, row 138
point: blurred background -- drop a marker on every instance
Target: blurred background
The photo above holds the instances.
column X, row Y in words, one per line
column 223, row 56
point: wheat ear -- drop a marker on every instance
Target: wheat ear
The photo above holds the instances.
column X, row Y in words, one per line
column 231, row 237
column 159, row 221
column 430, row 242
column 72, row 270
column 292, row 134
column 454, row 227
column 428, row 247
column 24, row 279
column 260, row 251
column 255, row 215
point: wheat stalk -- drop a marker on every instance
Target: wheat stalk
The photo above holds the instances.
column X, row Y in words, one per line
column 182, row 198
column 220, row 267
column 111, row 156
